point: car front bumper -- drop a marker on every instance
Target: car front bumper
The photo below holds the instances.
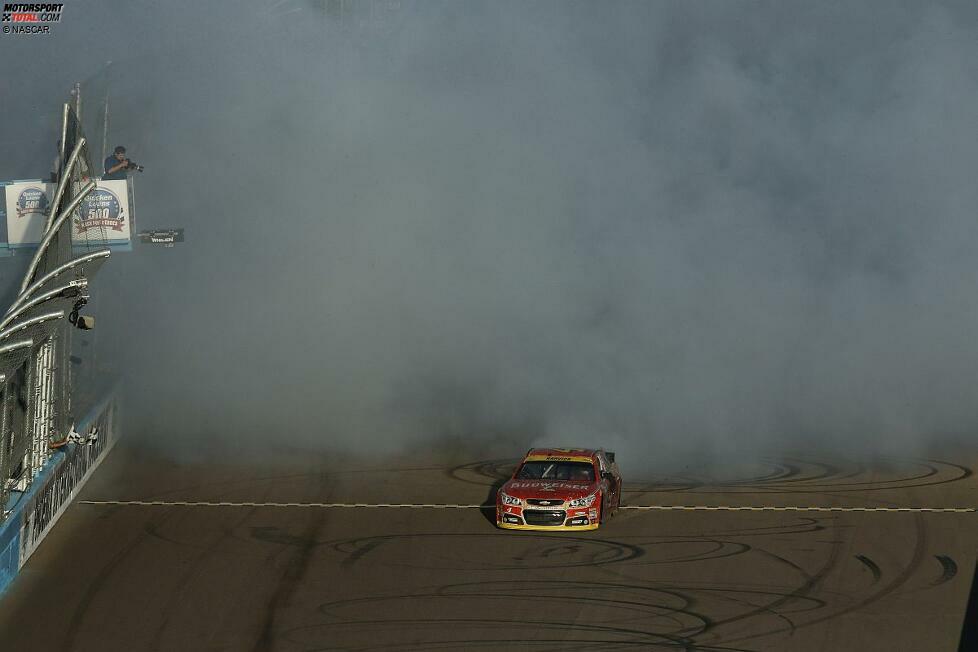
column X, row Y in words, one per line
column 511, row 517
column 548, row 528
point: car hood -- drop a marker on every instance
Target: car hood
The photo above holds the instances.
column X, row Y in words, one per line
column 565, row 489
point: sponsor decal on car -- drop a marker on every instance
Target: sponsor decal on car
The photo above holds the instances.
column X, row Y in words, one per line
column 557, row 458
column 548, row 486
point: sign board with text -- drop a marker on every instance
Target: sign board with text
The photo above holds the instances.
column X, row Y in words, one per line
column 27, row 207
column 103, row 218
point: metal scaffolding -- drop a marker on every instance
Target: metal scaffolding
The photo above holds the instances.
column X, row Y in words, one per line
column 35, row 332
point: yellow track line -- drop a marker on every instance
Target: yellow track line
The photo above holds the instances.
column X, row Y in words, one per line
column 793, row 508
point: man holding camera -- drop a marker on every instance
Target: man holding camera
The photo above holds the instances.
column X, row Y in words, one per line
column 117, row 165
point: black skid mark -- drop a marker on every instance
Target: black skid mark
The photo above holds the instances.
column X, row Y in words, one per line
column 661, row 618
column 272, row 534
column 949, row 569
column 872, row 566
column 588, row 551
column 797, row 475
column 361, row 552
column 483, row 472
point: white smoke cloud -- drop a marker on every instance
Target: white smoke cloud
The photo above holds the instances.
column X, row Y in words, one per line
column 668, row 227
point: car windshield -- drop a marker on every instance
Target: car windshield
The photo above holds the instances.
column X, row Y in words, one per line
column 579, row 471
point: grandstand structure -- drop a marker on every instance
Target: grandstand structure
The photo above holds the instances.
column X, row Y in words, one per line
column 36, row 412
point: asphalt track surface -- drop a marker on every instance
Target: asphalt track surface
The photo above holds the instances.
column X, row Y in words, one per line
column 293, row 556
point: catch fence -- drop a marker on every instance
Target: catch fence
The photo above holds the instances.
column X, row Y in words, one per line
column 37, row 417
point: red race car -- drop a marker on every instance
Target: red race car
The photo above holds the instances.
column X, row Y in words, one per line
column 560, row 489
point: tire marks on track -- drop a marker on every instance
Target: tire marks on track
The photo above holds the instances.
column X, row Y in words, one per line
column 301, row 556
column 712, row 580
column 872, row 566
column 949, row 569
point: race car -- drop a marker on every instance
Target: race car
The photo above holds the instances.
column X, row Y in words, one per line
column 560, row 489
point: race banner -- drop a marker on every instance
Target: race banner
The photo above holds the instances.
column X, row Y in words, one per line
column 103, row 218
column 27, row 207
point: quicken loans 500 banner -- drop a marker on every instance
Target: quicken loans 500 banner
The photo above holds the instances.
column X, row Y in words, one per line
column 27, row 208
column 102, row 218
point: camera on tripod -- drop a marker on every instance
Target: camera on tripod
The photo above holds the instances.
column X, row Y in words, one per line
column 134, row 166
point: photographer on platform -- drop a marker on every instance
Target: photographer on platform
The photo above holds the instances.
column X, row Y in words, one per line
column 117, row 165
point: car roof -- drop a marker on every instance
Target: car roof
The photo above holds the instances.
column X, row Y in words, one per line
column 567, row 454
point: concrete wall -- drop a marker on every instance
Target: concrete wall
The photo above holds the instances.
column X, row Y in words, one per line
column 36, row 511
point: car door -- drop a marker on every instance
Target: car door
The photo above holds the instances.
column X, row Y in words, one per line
column 610, row 481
